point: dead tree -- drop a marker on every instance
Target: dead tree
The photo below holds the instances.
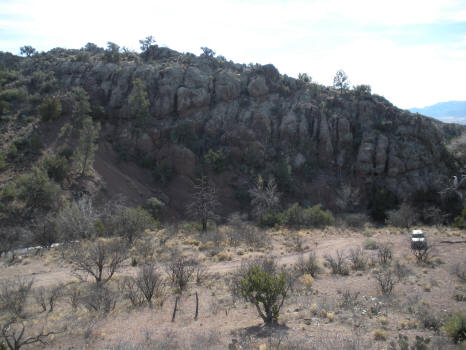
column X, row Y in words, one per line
column 13, row 295
column 13, row 333
column 204, row 202
column 180, row 270
column 197, row 307
column 100, row 260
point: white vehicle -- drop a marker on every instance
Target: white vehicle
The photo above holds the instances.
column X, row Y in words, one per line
column 418, row 241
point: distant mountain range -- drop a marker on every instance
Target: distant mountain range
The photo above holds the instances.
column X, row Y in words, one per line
column 448, row 112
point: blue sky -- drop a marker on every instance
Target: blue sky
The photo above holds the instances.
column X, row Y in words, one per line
column 412, row 52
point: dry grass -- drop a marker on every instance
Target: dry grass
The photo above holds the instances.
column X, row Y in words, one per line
column 313, row 310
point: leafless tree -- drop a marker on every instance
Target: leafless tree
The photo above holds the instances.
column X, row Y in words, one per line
column 47, row 298
column 204, row 202
column 386, row 281
column 13, row 333
column 180, row 270
column 99, row 260
column 76, row 221
column 338, row 263
column 264, row 197
column 347, row 197
column 13, row 295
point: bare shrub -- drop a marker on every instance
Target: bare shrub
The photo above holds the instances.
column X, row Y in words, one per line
column 308, row 265
column 459, row 270
column 130, row 291
column 386, row 281
column 401, row 271
column 150, row 282
column 405, row 216
column 428, row 318
column 180, row 270
column 44, row 233
column 338, row 264
column 100, row 260
column 358, row 258
column 73, row 295
column 384, row 254
column 14, row 335
column 298, row 240
column 349, row 300
column 356, row 220
column 47, row 298
column 99, row 299
column 200, row 272
column 13, row 295
column 239, row 231
column 423, row 254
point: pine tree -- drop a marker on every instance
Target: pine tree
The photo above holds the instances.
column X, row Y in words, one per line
column 81, row 105
column 139, row 104
column 85, row 151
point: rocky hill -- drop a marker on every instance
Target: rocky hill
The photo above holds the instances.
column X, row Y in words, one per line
column 167, row 118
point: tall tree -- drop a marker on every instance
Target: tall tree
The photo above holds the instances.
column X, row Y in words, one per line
column 85, row 151
column 340, row 81
column 147, row 43
column 139, row 104
column 204, row 202
column 27, row 50
column 81, row 105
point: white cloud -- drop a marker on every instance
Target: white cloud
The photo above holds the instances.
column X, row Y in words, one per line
column 317, row 36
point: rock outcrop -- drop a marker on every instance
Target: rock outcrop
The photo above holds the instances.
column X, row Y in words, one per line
column 254, row 117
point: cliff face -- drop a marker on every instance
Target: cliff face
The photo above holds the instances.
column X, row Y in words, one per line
column 256, row 121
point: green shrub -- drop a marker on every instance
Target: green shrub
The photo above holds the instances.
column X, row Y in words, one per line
column 3, row 162
column 370, row 244
column 217, row 160
column 460, row 220
column 317, row 217
column 283, row 176
column 36, row 190
column 154, row 206
column 163, row 171
column 184, row 134
column 58, row 167
column 50, row 109
column 455, row 327
column 382, row 201
column 13, row 95
column 266, row 290
column 270, row 219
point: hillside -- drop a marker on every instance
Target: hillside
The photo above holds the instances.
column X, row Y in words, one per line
column 448, row 112
column 167, row 118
